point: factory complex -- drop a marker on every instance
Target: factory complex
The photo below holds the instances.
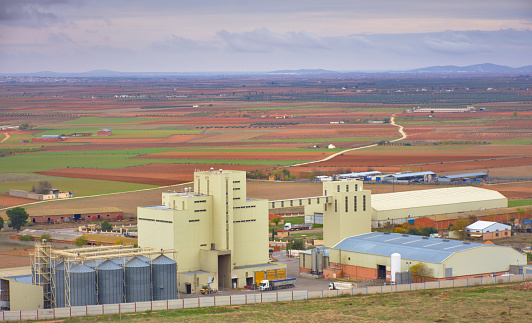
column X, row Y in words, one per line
column 213, row 235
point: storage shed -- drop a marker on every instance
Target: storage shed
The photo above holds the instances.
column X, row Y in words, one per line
column 488, row 230
column 396, row 208
column 368, row 256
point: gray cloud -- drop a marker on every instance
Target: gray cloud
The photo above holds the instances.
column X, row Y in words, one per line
column 181, row 44
column 59, row 38
column 30, row 13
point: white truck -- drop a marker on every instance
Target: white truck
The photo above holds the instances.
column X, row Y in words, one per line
column 276, row 284
column 301, row 226
column 342, row 285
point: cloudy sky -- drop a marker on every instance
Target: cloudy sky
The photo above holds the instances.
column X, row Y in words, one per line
column 247, row 35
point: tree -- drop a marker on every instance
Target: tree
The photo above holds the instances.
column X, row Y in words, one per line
column 42, row 188
column 17, row 217
column 46, row 236
column 106, row 226
column 459, row 226
column 276, row 220
column 421, row 271
column 298, row 244
column 427, row 231
column 1, row 223
column 81, row 241
column 413, row 231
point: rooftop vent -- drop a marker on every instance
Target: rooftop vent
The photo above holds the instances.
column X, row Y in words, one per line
column 405, row 235
column 386, row 232
column 467, row 242
column 424, row 237
column 445, row 240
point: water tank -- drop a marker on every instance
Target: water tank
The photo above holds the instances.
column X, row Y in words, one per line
column 138, row 282
column 59, row 280
column 82, row 286
column 395, row 264
column 164, row 277
column 110, row 283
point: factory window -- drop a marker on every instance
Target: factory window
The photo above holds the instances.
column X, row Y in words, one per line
column 325, row 207
column 300, row 202
column 325, row 192
column 234, row 182
column 195, row 220
column 200, row 210
column 338, row 188
column 291, row 202
column 346, row 203
column 203, row 245
column 497, row 234
column 309, row 201
column 282, row 203
column 163, row 221
column 143, row 219
column 335, row 206
column 356, row 187
column 236, row 198
column 236, row 188
column 200, row 201
column 364, row 202
column 355, row 207
column 347, row 188
column 318, row 200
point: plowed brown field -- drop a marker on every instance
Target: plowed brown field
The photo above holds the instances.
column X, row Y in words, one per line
column 257, row 155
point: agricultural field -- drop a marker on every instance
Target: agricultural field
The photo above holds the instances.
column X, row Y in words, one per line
column 164, row 129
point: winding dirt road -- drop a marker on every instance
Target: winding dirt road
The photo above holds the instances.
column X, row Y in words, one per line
column 6, row 138
column 392, row 122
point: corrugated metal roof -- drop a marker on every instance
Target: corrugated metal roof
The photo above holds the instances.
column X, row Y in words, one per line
column 404, row 175
column 109, row 265
column 465, row 175
column 361, row 174
column 487, row 226
column 80, row 268
column 412, row 247
column 163, row 260
column 69, row 212
column 439, row 196
column 136, row 262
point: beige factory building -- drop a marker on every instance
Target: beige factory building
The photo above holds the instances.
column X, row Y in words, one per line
column 397, row 208
column 368, row 256
column 218, row 232
column 345, row 206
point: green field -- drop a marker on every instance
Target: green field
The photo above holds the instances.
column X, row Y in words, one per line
column 478, row 304
column 80, row 186
column 520, row 203
column 334, row 139
column 117, row 133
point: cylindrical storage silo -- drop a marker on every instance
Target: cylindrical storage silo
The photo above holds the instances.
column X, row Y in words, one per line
column 313, row 262
column 138, row 281
column 82, row 286
column 319, row 262
column 395, row 264
column 164, row 277
column 59, row 280
column 119, row 261
column 110, row 283
column 93, row 263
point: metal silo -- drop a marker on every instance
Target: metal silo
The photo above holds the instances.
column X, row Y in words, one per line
column 93, row 263
column 82, row 285
column 164, row 277
column 110, row 283
column 138, row 282
column 59, row 280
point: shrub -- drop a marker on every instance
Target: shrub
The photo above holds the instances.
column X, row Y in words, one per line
column 25, row 237
column 81, row 241
column 46, row 236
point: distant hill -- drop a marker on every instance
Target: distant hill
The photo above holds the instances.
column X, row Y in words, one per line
column 474, row 69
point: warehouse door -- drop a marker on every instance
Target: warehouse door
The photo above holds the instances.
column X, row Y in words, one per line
column 224, row 271
column 381, row 272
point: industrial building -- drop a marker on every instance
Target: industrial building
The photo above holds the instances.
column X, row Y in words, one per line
column 85, row 214
column 368, row 256
column 409, row 177
column 220, row 235
column 102, row 275
column 488, row 230
column 463, row 178
column 397, row 208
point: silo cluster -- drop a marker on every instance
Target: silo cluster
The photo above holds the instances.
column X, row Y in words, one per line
column 112, row 281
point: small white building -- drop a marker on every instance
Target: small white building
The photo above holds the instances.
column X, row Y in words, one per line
column 331, row 146
column 488, row 230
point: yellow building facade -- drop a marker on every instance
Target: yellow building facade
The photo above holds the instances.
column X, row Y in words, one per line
column 220, row 235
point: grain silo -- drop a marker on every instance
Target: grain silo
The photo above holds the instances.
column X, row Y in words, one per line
column 82, row 285
column 138, row 281
column 164, row 278
column 59, row 280
column 110, row 283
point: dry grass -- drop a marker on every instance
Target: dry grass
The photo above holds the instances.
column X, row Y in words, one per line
column 486, row 304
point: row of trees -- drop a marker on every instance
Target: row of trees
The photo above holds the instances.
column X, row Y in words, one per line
column 280, row 175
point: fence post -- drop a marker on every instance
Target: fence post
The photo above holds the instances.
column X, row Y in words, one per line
column 230, row 300
column 424, row 285
column 277, row 297
column 199, row 302
column 167, row 303
column 366, row 290
column 103, row 309
column 292, row 296
column 467, row 282
column 70, row 311
column 439, row 284
column 86, row 310
column 151, row 306
column 381, row 289
column 119, row 309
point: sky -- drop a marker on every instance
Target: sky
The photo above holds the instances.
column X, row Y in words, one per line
column 247, row 35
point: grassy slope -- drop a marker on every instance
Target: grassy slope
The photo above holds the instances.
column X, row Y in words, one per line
column 481, row 304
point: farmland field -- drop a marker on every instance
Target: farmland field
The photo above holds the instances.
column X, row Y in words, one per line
column 164, row 129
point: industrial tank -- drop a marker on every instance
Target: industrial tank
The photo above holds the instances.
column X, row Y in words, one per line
column 110, row 283
column 93, row 263
column 59, row 280
column 82, row 286
column 164, row 277
column 138, row 282
column 395, row 262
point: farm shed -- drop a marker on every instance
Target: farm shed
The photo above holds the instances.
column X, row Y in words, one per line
column 66, row 215
column 463, row 177
column 368, row 256
column 396, row 208
column 487, row 230
column 418, row 176
column 48, row 138
column 443, row 221
column 361, row 175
